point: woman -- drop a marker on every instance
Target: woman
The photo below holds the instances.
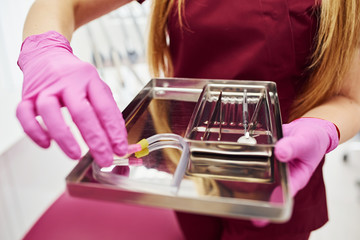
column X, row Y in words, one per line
column 266, row 40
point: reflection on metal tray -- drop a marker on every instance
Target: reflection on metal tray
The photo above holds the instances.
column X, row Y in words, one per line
column 166, row 106
column 232, row 132
column 227, row 167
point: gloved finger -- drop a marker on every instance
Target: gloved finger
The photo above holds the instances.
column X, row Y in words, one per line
column 300, row 174
column 133, row 148
column 25, row 112
column 109, row 115
column 277, row 196
column 260, row 222
column 49, row 109
column 288, row 148
column 89, row 126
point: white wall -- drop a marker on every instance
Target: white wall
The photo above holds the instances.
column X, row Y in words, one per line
column 12, row 17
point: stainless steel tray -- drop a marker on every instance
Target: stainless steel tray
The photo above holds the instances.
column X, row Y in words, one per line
column 166, row 106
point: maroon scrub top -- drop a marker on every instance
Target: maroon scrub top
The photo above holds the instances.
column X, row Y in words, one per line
column 252, row 40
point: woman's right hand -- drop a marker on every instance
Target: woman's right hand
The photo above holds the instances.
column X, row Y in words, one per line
column 55, row 78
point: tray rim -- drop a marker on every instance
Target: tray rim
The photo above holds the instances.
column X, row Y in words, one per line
column 80, row 189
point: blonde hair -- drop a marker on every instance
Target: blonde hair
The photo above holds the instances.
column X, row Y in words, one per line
column 158, row 50
column 336, row 42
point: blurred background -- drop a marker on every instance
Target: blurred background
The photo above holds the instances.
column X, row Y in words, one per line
column 31, row 178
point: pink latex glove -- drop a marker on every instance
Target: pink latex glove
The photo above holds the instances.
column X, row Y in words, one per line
column 54, row 78
column 305, row 142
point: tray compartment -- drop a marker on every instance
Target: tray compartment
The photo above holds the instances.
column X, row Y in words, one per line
column 223, row 115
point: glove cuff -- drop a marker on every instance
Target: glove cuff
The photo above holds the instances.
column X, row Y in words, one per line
column 37, row 44
column 332, row 130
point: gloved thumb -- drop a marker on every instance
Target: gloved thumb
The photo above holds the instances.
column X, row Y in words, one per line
column 287, row 149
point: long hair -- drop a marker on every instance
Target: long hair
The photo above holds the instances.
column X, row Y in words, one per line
column 336, row 42
column 158, row 50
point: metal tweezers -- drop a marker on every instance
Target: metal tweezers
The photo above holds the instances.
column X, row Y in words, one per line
column 216, row 114
column 253, row 121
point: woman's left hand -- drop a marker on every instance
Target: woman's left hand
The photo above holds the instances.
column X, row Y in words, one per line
column 305, row 142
